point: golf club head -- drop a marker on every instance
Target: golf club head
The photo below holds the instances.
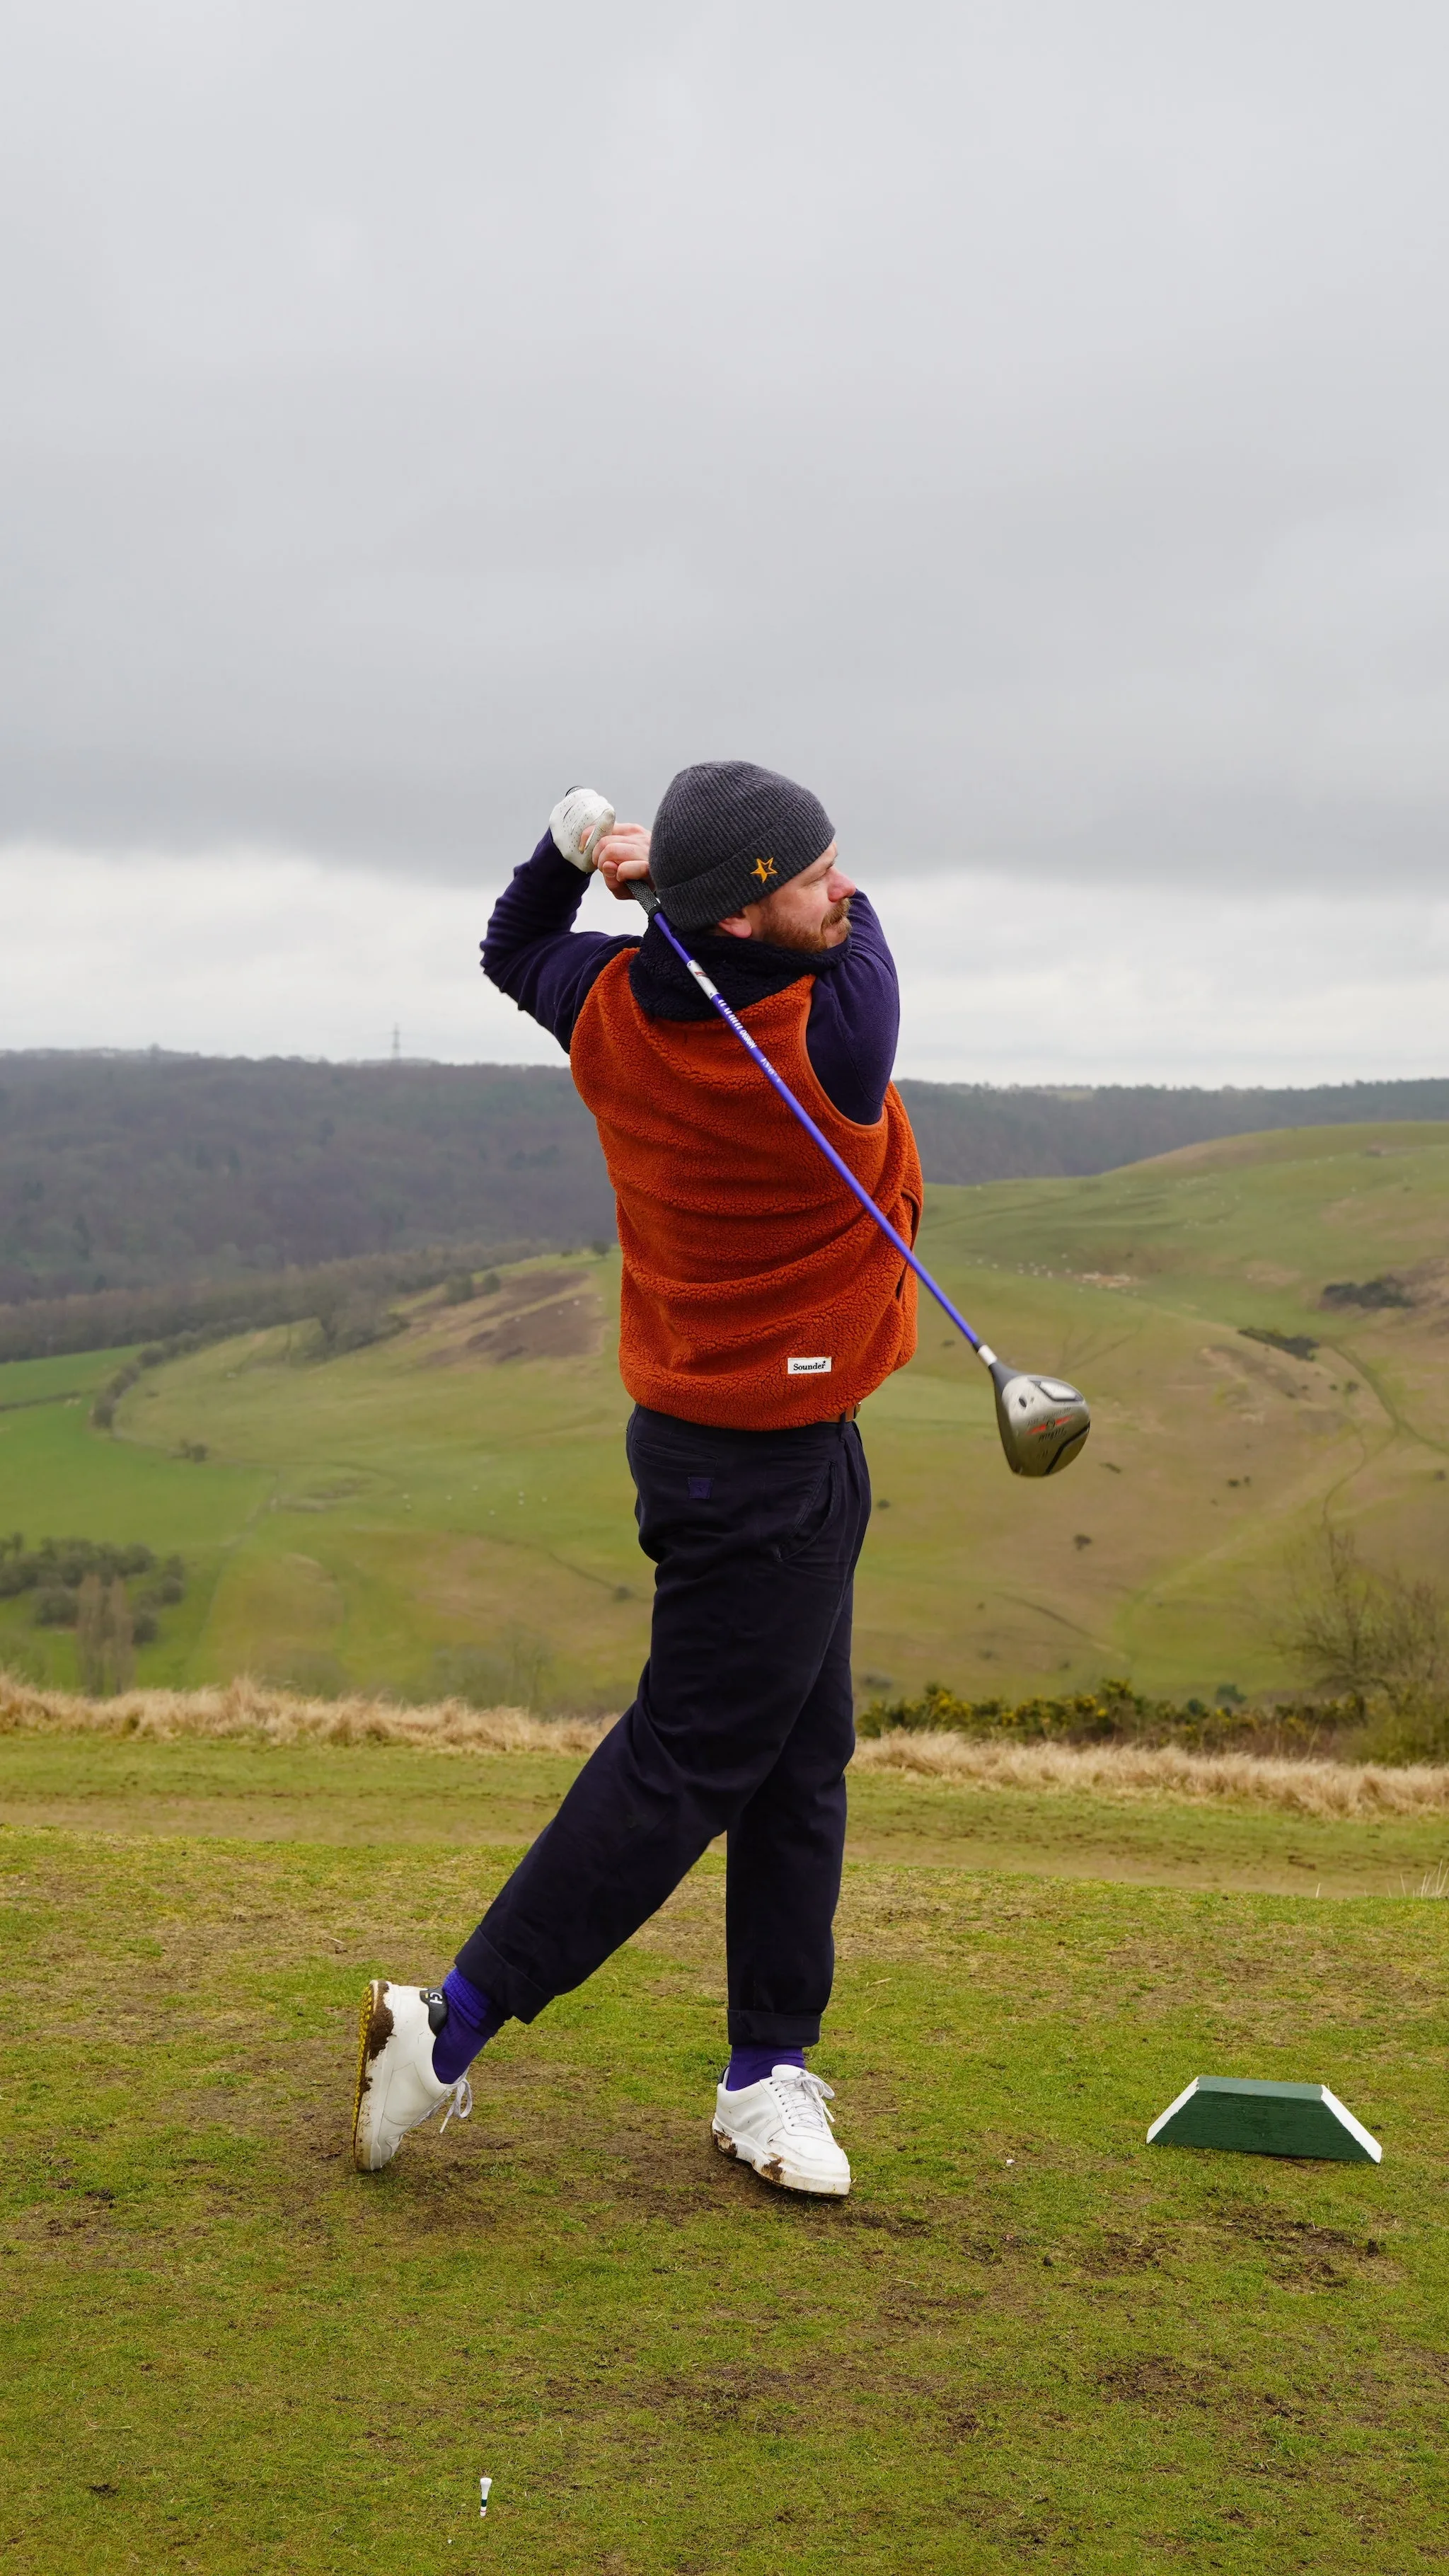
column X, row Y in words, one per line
column 1043, row 1422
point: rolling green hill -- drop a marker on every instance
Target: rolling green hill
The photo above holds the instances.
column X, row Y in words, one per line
column 451, row 1509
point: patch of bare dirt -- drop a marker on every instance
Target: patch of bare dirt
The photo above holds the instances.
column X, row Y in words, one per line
column 883, row 2222
column 1155, row 2379
column 542, row 1315
column 1118, row 2253
column 1300, row 2254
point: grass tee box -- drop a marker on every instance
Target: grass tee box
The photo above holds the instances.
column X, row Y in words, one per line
column 1026, row 2340
column 1253, row 2119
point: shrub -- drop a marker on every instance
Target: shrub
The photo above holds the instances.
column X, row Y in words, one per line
column 59, row 1570
column 1113, row 1713
column 353, row 1324
column 1299, row 1346
column 55, row 1607
column 1366, row 1292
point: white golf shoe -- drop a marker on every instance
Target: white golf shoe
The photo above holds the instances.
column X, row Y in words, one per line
column 782, row 2128
column 396, row 2087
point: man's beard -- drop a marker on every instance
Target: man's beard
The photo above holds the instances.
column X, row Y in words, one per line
column 810, row 942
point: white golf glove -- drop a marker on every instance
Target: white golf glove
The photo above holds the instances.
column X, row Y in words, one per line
column 579, row 822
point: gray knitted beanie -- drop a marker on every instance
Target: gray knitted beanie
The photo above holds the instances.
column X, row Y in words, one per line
column 728, row 833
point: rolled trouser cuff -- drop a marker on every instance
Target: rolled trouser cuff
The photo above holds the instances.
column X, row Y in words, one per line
column 772, row 2030
column 516, row 1996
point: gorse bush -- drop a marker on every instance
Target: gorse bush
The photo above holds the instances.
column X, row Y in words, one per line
column 1373, row 1648
column 1114, row 1713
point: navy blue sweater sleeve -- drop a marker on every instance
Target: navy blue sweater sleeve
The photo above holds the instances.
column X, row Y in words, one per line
column 855, row 1019
column 533, row 953
column 531, row 949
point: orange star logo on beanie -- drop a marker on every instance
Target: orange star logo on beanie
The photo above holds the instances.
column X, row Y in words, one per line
column 764, row 869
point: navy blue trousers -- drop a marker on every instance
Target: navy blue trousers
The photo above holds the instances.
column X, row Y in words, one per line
column 743, row 1725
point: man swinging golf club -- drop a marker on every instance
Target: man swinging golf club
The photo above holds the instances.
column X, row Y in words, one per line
column 760, row 1304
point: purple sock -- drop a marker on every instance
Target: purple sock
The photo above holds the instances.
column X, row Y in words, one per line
column 473, row 2019
column 751, row 2065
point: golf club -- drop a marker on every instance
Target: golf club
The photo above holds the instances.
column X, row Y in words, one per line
column 1043, row 1421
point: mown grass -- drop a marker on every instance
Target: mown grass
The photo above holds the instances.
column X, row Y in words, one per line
column 1028, row 1818
column 1026, row 2340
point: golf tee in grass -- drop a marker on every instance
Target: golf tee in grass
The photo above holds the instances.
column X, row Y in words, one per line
column 473, row 2019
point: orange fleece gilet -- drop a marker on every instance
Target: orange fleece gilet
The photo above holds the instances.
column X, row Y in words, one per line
column 743, row 1251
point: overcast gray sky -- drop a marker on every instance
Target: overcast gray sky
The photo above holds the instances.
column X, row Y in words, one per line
column 1025, row 422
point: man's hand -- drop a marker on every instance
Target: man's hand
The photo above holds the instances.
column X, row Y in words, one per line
column 578, row 824
column 622, row 858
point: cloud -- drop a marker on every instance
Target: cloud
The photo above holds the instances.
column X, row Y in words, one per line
column 1024, row 423
column 255, row 951
column 1030, row 981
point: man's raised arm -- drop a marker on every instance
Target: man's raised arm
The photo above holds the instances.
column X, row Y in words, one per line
column 531, row 949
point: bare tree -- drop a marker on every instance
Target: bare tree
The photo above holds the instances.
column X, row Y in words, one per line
column 1376, row 1640
column 120, row 1639
column 104, row 1638
column 90, row 1626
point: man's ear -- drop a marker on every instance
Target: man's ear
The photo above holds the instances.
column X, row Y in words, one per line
column 735, row 926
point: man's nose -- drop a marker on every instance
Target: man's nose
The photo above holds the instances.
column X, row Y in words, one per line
column 840, row 887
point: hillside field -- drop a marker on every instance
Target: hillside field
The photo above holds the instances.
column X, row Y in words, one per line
column 450, row 1509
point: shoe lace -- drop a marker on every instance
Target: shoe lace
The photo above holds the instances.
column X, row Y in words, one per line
column 802, row 2097
column 459, row 2100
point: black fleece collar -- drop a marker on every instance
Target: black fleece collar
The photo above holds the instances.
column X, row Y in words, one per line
column 746, row 970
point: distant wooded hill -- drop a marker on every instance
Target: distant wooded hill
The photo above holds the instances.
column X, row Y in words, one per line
column 142, row 1171
column 969, row 1132
column 130, row 1171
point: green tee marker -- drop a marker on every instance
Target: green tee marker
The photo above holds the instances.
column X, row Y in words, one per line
column 1248, row 2119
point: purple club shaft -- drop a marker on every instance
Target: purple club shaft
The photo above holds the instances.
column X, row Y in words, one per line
column 646, row 896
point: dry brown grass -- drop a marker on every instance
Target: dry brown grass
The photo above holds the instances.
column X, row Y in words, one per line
column 252, row 1712
column 1163, row 1772
column 249, row 1711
